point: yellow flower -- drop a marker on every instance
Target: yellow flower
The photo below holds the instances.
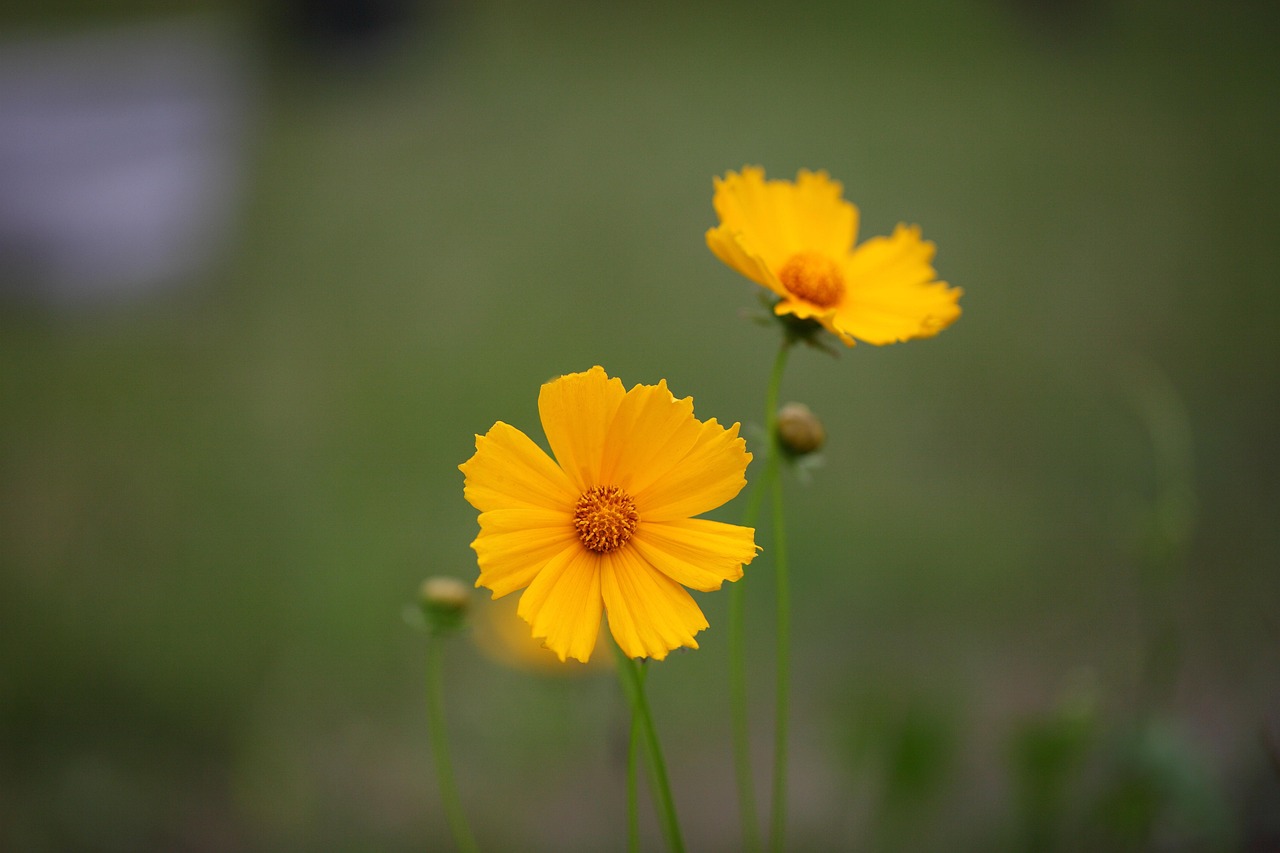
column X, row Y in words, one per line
column 608, row 525
column 797, row 239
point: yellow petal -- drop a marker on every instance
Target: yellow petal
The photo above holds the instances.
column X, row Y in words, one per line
column 823, row 221
column 563, row 604
column 726, row 244
column 651, row 432
column 514, row 545
column 710, row 474
column 576, row 411
column 695, row 552
column 893, row 294
column 747, row 208
column 649, row 613
column 776, row 219
column 509, row 470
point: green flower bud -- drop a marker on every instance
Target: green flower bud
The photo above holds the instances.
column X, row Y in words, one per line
column 444, row 602
column 799, row 430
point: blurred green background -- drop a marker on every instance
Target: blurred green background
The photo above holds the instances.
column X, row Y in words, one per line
column 1035, row 583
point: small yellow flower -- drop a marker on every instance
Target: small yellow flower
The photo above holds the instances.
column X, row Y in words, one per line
column 608, row 525
column 797, row 239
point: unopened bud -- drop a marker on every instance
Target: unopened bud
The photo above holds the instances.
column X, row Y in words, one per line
column 799, row 430
column 444, row 603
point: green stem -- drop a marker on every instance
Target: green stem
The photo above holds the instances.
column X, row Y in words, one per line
column 779, row 820
column 633, row 686
column 440, row 748
column 633, row 810
column 738, row 697
column 737, row 619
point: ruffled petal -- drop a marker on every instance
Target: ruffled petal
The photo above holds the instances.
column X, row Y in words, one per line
column 508, row 470
column 710, row 474
column 747, row 207
column 576, row 411
column 514, row 545
column 823, row 221
column 696, row 552
column 776, row 219
column 649, row 613
column 651, row 432
column 563, row 604
column 893, row 294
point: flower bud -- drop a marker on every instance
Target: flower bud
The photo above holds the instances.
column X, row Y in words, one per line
column 799, row 430
column 444, row 603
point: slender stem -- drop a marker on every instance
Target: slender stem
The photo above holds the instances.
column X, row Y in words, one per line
column 440, row 748
column 737, row 620
column 778, row 825
column 738, row 697
column 633, row 755
column 633, row 686
column 771, row 396
column 737, row 706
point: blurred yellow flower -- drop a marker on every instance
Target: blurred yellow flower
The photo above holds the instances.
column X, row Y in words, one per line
column 504, row 637
column 797, row 239
column 608, row 525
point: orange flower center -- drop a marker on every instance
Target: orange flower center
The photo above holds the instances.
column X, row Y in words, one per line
column 605, row 517
column 813, row 277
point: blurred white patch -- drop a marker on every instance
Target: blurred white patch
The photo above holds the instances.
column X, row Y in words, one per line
column 121, row 155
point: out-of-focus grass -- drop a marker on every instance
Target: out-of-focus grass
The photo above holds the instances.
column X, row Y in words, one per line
column 215, row 503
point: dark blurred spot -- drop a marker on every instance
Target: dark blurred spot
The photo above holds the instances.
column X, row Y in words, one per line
column 1059, row 21
column 353, row 30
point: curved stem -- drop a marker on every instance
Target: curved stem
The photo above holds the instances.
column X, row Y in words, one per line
column 633, row 686
column 737, row 619
column 440, row 748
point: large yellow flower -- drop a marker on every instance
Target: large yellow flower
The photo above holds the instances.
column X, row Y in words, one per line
column 797, row 239
column 608, row 525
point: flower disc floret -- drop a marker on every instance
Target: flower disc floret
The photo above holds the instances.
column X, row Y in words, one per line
column 813, row 277
column 605, row 517
column 608, row 527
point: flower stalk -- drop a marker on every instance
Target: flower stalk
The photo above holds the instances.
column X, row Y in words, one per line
column 440, row 749
column 632, row 678
column 778, row 822
column 737, row 621
column 633, row 784
column 444, row 602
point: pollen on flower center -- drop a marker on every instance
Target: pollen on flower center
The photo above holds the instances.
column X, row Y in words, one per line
column 814, row 278
column 605, row 517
